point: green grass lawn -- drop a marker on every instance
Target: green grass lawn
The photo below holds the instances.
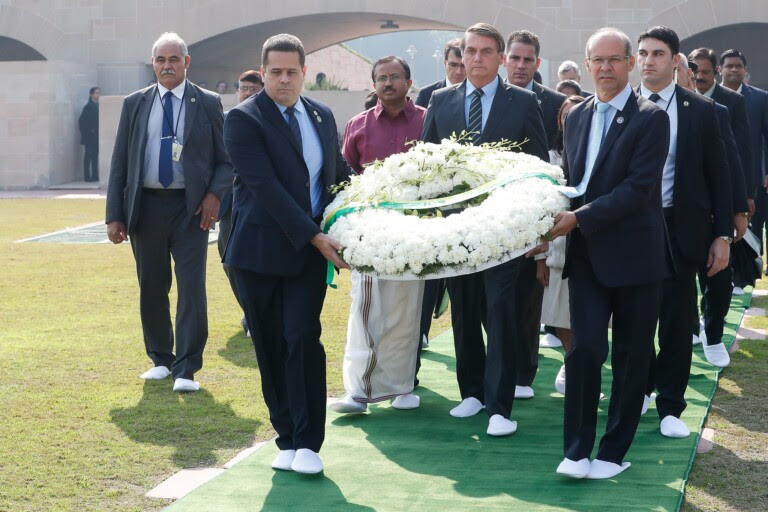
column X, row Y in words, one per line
column 81, row 431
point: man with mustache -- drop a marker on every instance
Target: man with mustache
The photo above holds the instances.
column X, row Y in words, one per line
column 169, row 170
column 385, row 316
column 717, row 289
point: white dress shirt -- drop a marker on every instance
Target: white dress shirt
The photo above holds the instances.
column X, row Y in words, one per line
column 667, row 102
column 155, row 133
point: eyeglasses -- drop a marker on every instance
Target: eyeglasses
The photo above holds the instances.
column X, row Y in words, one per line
column 394, row 77
column 614, row 60
column 455, row 65
column 249, row 88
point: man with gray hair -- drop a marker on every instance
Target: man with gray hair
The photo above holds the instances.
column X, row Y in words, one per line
column 169, row 170
column 569, row 70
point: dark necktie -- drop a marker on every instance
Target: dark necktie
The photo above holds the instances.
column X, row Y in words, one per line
column 654, row 97
column 475, row 122
column 293, row 124
column 165, row 165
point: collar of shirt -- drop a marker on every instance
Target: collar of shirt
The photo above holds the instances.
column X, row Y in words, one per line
column 448, row 81
column 529, row 86
column 407, row 111
column 177, row 91
column 740, row 88
column 620, row 99
column 489, row 90
column 665, row 94
column 298, row 107
column 708, row 93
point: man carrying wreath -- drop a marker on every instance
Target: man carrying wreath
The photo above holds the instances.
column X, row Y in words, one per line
column 385, row 316
column 489, row 110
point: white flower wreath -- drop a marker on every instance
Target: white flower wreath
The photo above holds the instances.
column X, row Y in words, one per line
column 389, row 228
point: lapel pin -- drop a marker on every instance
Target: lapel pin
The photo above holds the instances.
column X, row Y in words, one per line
column 685, row 103
column 539, row 101
column 192, row 100
column 619, row 120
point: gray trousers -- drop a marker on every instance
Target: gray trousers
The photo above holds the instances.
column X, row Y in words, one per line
column 162, row 232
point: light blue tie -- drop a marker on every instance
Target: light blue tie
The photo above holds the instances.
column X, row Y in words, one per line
column 595, row 140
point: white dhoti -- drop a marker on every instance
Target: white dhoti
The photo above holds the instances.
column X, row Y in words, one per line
column 382, row 338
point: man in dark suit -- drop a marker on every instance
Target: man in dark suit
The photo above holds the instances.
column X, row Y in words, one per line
column 733, row 66
column 169, row 169
column 454, row 72
column 434, row 289
column 696, row 197
column 248, row 84
column 286, row 154
column 488, row 110
column 716, row 290
column 89, row 135
column 617, row 255
column 523, row 61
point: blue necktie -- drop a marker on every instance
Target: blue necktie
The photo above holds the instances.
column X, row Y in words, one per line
column 595, row 140
column 165, row 165
column 475, row 121
column 293, row 124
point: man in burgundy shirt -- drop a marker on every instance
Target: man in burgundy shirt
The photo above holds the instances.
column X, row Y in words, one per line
column 384, row 318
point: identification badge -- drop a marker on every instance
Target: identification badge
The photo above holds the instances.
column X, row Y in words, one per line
column 176, row 151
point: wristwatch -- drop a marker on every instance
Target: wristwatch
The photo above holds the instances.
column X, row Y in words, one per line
column 727, row 239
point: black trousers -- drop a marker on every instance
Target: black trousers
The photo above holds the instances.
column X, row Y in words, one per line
column 758, row 220
column 635, row 311
column 433, row 290
column 528, row 296
column 91, row 162
column 715, row 301
column 284, row 316
column 486, row 299
column 225, row 227
column 162, row 232
column 671, row 368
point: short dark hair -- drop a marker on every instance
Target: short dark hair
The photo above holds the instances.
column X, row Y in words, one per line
column 573, row 84
column 391, row 58
column 665, row 35
column 371, row 100
column 283, row 43
column 92, row 90
column 452, row 47
column 252, row 76
column 525, row 37
column 733, row 53
column 484, row 29
column 704, row 53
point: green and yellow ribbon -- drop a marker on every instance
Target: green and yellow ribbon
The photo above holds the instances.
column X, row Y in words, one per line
column 426, row 204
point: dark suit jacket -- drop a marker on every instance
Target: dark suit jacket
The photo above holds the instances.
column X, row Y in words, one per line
column 272, row 221
column 702, row 199
column 738, row 187
column 89, row 124
column 425, row 93
column 204, row 158
column 515, row 116
column 620, row 215
column 740, row 127
column 757, row 112
column 550, row 102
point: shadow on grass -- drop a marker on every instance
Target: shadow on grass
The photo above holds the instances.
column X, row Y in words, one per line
column 193, row 423
column 239, row 351
column 318, row 492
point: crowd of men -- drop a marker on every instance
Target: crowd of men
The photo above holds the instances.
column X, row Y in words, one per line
column 664, row 177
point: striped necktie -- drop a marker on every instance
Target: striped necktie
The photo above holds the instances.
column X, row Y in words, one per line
column 475, row 121
column 595, row 140
column 293, row 124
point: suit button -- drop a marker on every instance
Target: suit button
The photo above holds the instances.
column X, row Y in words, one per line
column 306, row 184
